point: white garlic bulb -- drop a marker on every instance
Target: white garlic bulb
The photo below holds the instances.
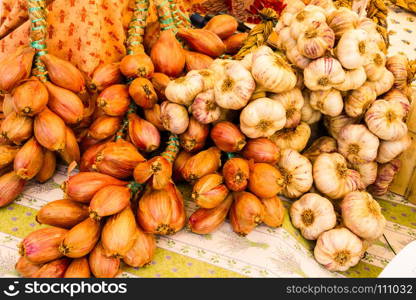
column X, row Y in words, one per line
column 262, row 117
column 304, row 18
column 332, row 176
column 360, row 99
column 327, row 5
column 184, row 89
column 354, row 79
column 329, row 102
column 271, row 71
column 297, row 173
column 294, row 138
column 292, row 101
column 385, row 120
column 218, row 66
column 342, row 20
column 309, row 115
column 375, row 66
column 352, row 49
column 384, row 84
column 389, row 150
column 234, row 88
column 316, row 40
column 397, row 96
column 362, row 215
column 368, row 172
column 357, row 144
column 204, row 109
column 247, row 61
column 338, row 249
column 398, row 65
column 174, row 117
column 294, row 56
column 285, row 40
column 207, row 75
column 312, row 214
column 323, row 73
column 291, row 9
column 335, row 124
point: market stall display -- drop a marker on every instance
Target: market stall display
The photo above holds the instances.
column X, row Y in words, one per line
column 239, row 133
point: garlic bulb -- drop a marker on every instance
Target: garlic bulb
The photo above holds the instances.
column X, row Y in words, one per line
column 398, row 65
column 285, row 40
column 297, row 173
column 338, row 249
column 332, row 176
column 247, row 61
column 271, row 71
column 353, row 79
column 329, row 102
column 362, row 215
column 352, row 49
column 316, row 40
column 294, row 138
column 207, row 76
column 342, row 20
column 304, row 18
column 294, row 56
column 292, row 101
column 291, row 9
column 323, row 73
column 384, row 84
column 262, row 117
column 327, row 5
column 357, row 144
column 385, row 120
column 308, row 114
column 313, row 214
column 184, row 89
column 389, row 150
column 396, row 96
column 359, row 100
column 368, row 172
column 174, row 117
column 375, row 66
column 204, row 108
column 235, row 87
column 385, row 176
column 335, row 124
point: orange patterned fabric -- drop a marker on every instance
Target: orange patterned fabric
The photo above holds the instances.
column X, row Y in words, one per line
column 91, row 32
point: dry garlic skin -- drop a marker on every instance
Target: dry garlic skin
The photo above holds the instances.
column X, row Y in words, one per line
column 323, row 73
column 368, row 172
column 312, row 214
column 297, row 173
column 357, row 144
column 271, row 71
column 389, row 150
column 262, row 117
column 385, row 120
column 332, row 176
column 338, row 249
column 234, row 87
column 362, row 215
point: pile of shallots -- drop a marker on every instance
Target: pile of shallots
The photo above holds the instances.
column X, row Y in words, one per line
column 40, row 119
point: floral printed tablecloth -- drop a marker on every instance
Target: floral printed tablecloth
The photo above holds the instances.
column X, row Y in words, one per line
column 266, row 252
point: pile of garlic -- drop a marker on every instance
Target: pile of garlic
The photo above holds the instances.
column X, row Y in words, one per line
column 330, row 64
column 363, row 97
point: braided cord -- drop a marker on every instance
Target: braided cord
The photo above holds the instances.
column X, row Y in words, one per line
column 137, row 26
column 38, row 29
column 165, row 17
column 172, row 148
